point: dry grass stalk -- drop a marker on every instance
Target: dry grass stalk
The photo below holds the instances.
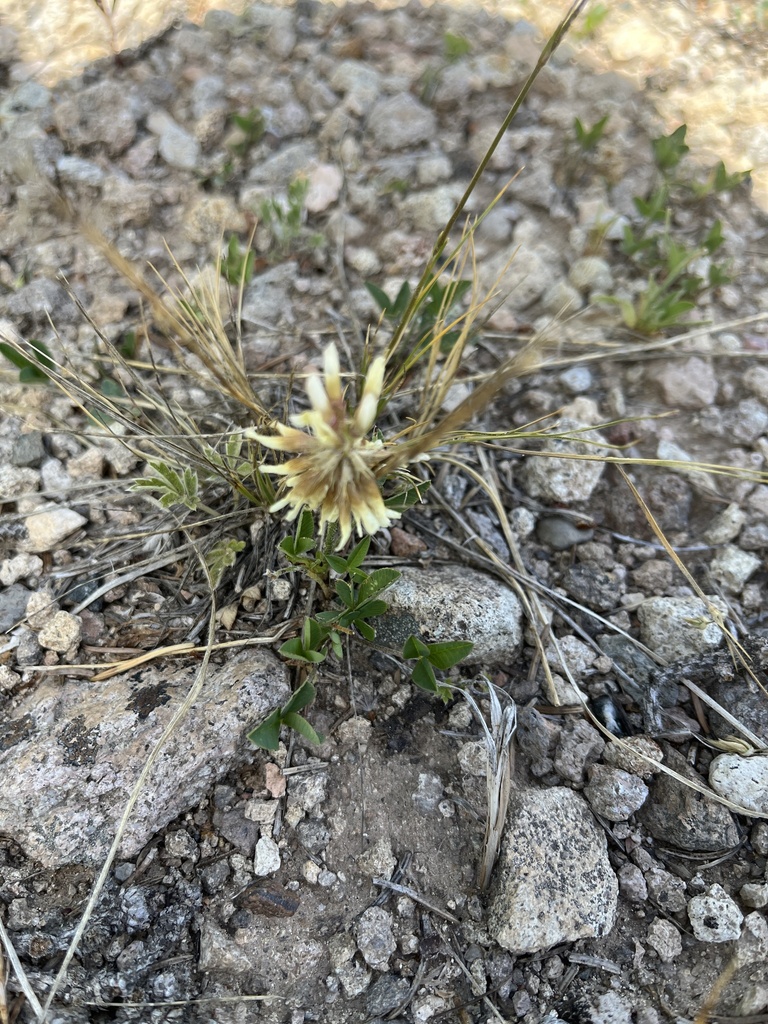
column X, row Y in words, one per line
column 21, row 977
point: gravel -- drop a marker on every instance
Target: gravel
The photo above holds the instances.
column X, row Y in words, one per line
column 255, row 870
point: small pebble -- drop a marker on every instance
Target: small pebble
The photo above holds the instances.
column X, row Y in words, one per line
column 714, row 916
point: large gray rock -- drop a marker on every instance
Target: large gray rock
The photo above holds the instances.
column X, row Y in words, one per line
column 454, row 603
column 74, row 750
column 554, row 882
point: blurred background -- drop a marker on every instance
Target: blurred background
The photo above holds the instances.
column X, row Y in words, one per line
column 702, row 62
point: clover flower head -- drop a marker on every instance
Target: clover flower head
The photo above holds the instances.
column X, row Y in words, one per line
column 333, row 468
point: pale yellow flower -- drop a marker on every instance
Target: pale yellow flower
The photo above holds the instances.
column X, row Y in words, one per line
column 334, row 466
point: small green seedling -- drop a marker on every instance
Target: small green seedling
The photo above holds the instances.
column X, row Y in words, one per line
column 128, row 345
column 237, row 467
column 592, row 21
column 285, row 219
column 588, row 138
column 31, row 370
column 673, row 289
column 440, row 656
column 356, row 589
column 252, row 127
column 267, row 735
column 237, row 264
column 669, row 150
column 719, row 180
column 455, row 47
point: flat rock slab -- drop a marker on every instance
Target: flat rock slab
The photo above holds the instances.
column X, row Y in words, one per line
column 553, row 882
column 454, row 603
column 72, row 752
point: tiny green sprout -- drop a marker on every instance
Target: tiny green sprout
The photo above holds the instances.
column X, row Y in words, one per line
column 399, row 185
column 267, row 735
column 237, row 264
column 303, row 541
column 251, row 127
column 32, row 370
column 588, row 138
column 392, row 309
column 455, row 47
column 285, row 218
column 669, row 150
column 719, row 180
column 128, row 345
column 592, row 21
column 656, row 206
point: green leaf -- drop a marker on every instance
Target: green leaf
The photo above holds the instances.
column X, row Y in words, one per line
column 31, row 371
column 378, row 580
column 454, row 47
column 445, row 655
column 294, row 650
column 717, row 276
column 345, row 593
column 42, row 353
column 669, row 150
column 367, row 609
column 305, row 528
column 302, row 726
column 358, row 553
column 655, row 207
column 286, row 545
column 414, row 648
column 129, row 344
column 366, row 630
column 33, row 375
column 714, row 238
column 267, row 735
column 379, row 296
column 410, row 496
column 300, row 698
column 335, row 640
column 588, row 138
column 111, row 388
column 423, row 676
column 337, row 563
column 402, row 300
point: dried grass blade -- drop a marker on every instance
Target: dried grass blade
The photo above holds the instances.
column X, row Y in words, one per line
column 18, row 970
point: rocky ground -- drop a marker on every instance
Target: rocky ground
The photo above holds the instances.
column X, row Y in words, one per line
column 619, row 895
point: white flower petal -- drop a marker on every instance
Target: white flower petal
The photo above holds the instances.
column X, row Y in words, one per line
column 317, row 395
column 332, row 372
